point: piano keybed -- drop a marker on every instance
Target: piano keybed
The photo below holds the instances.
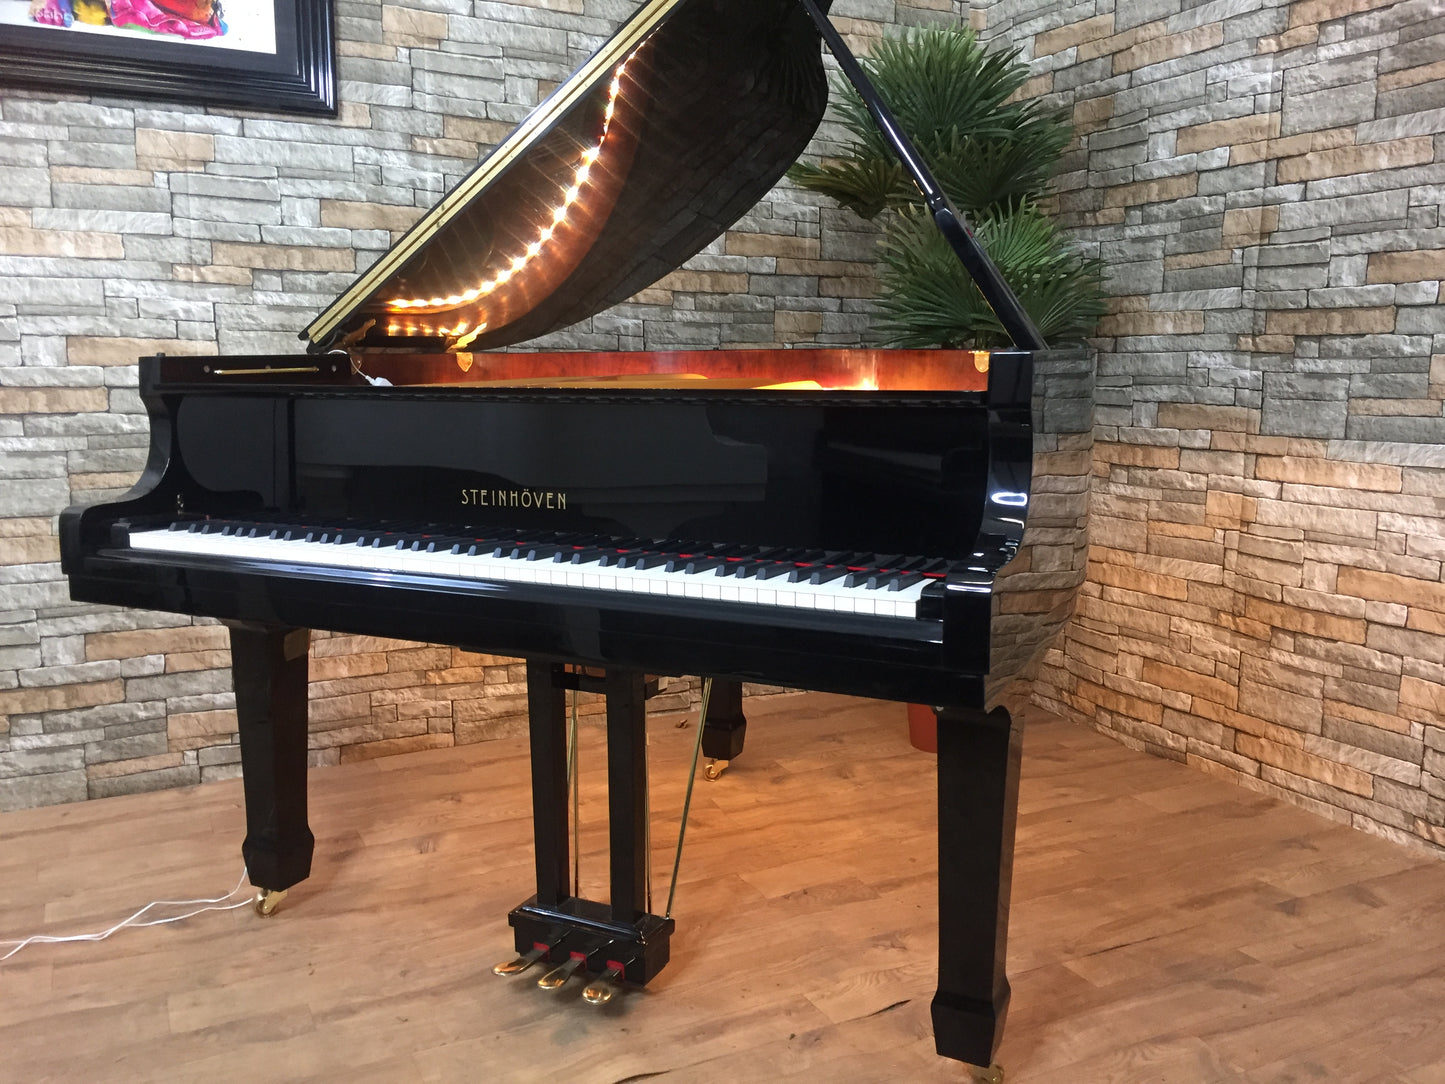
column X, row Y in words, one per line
column 893, row 586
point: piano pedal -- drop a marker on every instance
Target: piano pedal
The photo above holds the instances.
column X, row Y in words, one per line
column 603, row 988
column 558, row 976
column 985, row 1074
column 714, row 769
column 268, row 900
column 508, row 968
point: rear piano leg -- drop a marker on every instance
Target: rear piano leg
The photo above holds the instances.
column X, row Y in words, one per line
column 268, row 669
column 978, row 767
column 724, row 728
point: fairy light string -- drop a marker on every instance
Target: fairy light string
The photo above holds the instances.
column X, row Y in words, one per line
column 581, row 176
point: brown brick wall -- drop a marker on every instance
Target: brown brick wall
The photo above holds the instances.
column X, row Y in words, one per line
column 1264, row 597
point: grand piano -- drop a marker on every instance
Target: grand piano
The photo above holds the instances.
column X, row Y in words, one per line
column 848, row 520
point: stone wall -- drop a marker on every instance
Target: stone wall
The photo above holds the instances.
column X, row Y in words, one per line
column 1264, row 181
column 131, row 227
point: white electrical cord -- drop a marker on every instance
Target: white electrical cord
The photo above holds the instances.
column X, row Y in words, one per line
column 218, row 904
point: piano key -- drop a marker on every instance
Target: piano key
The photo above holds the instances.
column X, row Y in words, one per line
column 592, row 567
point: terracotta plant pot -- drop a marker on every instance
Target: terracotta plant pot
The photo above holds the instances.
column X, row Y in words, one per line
column 922, row 728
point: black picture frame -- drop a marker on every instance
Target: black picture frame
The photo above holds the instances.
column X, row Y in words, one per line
column 300, row 77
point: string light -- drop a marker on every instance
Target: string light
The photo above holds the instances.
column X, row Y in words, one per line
column 581, row 175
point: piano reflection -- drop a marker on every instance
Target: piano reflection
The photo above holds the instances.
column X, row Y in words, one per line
column 830, row 519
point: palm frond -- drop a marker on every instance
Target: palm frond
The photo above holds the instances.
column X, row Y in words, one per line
column 930, row 300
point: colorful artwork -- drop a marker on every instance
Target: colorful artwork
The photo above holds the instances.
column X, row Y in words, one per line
column 193, row 20
column 243, row 25
column 277, row 55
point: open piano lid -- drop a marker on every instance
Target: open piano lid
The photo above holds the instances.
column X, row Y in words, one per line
column 667, row 135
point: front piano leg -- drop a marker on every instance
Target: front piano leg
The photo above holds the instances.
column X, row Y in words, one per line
column 268, row 669
column 978, row 769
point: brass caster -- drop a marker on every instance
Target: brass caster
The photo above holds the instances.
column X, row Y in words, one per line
column 714, row 769
column 267, row 901
column 985, row 1074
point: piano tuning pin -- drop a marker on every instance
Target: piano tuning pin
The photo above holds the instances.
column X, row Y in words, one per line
column 558, row 976
column 714, row 769
column 508, row 968
column 603, row 988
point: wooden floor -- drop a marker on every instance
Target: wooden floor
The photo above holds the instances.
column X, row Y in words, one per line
column 1167, row 927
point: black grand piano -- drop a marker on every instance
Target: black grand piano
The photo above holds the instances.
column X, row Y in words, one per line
column 823, row 519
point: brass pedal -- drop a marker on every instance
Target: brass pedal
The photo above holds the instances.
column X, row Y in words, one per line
column 603, row 988
column 714, row 769
column 508, row 968
column 558, row 976
column 268, row 900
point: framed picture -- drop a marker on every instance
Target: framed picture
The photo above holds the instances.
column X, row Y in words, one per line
column 271, row 55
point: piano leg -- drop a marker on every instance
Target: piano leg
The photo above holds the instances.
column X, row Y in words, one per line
column 725, row 726
column 268, row 669
column 978, row 766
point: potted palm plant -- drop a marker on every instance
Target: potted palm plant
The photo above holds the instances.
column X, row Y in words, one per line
column 995, row 155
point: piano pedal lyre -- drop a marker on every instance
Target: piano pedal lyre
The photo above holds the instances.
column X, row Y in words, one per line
column 267, row 900
column 508, row 968
column 558, row 976
column 604, row 987
column 714, row 768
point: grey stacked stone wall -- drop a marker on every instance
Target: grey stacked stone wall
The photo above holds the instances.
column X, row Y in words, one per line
column 131, row 227
column 1264, row 181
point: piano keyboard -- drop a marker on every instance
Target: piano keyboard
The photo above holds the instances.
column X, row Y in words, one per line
column 798, row 579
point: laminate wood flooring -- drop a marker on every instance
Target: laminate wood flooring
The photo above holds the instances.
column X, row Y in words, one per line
column 1168, row 927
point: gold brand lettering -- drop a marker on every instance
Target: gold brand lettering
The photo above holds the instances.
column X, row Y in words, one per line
column 551, row 499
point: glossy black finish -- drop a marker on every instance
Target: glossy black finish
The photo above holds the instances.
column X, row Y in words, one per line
column 719, row 100
column 942, row 475
column 268, row 666
column 547, row 716
column 978, row 771
column 642, row 947
column 620, row 934
column 902, row 473
column 726, row 727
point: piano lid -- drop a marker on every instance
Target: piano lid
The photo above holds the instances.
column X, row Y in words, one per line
column 667, row 135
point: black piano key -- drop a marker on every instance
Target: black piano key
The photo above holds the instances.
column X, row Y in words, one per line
column 585, row 556
column 800, row 573
column 773, row 569
column 738, row 568
column 906, row 580
column 877, row 580
column 828, row 575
